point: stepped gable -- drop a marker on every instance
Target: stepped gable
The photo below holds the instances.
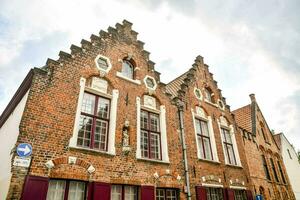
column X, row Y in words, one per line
column 243, row 117
column 120, row 33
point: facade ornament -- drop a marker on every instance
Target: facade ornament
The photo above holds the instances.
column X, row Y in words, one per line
column 125, row 143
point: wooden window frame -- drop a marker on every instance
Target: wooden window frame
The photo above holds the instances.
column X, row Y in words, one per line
column 132, row 66
column 266, row 169
column 123, row 190
column 202, row 136
column 165, row 192
column 274, row 170
column 227, row 143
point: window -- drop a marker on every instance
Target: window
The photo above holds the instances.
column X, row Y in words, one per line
column 209, row 95
column 124, row 192
column 127, row 69
column 93, row 123
column 227, row 141
column 150, row 82
column 264, row 135
column 274, row 170
column 166, row 194
column 240, row 195
column 289, row 154
column 198, row 93
column 266, row 167
column 281, row 172
column 66, row 190
column 150, row 135
column 102, row 63
column 214, row 193
column 203, row 139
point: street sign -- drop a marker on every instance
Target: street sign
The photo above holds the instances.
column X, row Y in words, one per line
column 24, row 150
column 22, row 161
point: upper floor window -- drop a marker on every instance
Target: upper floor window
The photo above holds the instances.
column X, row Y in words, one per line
column 240, row 195
column 265, row 166
column 209, row 95
column 124, row 192
column 228, row 145
column 166, row 194
column 203, row 139
column 150, row 135
column 65, row 189
column 102, row 63
column 274, row 170
column 93, row 123
column 127, row 69
column 281, row 172
column 214, row 193
column 289, row 154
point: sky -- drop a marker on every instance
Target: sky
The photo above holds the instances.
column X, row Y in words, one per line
column 250, row 46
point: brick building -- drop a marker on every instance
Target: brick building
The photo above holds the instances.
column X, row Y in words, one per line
column 266, row 167
column 103, row 126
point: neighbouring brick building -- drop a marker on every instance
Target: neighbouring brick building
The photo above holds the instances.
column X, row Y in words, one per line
column 266, row 167
column 103, row 126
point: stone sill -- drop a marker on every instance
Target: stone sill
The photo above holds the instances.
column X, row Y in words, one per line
column 154, row 161
column 120, row 75
column 235, row 166
column 210, row 103
column 91, row 151
column 209, row 161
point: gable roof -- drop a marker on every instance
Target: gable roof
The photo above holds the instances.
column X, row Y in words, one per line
column 243, row 117
column 175, row 85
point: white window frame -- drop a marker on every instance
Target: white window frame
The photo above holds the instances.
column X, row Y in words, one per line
column 163, row 132
column 201, row 95
column 207, row 119
column 222, row 123
column 109, row 66
column 112, row 120
column 155, row 84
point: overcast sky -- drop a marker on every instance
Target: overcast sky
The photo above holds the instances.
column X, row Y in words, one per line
column 250, row 46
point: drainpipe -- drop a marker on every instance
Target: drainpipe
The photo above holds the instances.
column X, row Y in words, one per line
column 180, row 105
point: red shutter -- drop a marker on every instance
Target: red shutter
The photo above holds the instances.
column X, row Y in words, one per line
column 225, row 194
column 99, row 191
column 147, row 193
column 230, row 194
column 201, row 193
column 249, row 195
column 35, row 187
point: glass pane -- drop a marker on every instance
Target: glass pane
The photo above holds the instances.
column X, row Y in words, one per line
column 84, row 133
column 116, row 192
column 88, row 103
column 198, row 127
column 227, row 136
column 171, row 194
column 76, row 190
column 155, row 146
column 103, row 108
column 102, row 63
column 201, row 146
column 208, row 95
column 100, row 138
column 160, row 194
column 204, row 128
column 127, row 70
column 231, row 154
column 130, row 193
column 144, row 120
column 206, row 144
column 144, row 144
column 56, row 190
column 154, row 122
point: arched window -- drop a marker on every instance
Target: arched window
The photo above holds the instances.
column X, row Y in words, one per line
column 127, row 69
column 209, row 95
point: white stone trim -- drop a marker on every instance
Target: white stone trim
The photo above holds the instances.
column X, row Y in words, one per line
column 135, row 81
column 73, row 140
column 155, row 84
column 235, row 148
column 210, row 103
column 112, row 122
column 222, row 141
column 237, row 187
column 138, row 127
column 103, row 72
column 163, row 134
column 208, row 119
column 197, row 89
column 212, row 185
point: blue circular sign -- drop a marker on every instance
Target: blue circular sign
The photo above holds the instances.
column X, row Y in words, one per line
column 24, row 150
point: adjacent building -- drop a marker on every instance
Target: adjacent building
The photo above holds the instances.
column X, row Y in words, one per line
column 291, row 162
column 266, row 167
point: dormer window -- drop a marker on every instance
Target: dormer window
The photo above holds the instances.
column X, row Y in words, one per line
column 127, row 69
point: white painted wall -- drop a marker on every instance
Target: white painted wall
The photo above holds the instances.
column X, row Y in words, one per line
column 292, row 165
column 8, row 137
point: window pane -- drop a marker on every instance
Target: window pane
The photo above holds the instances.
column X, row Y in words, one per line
column 171, row 194
column 206, row 144
column 198, row 127
column 103, row 108
column 88, row 103
column 100, row 137
column 155, row 146
column 130, row 193
column 116, row 192
column 160, row 194
column 102, row 63
column 144, row 120
column 76, row 190
column 227, row 136
column 204, row 128
column 144, row 144
column 127, row 69
column 154, row 122
column 201, row 149
column 84, row 133
column 56, row 190
column 231, row 154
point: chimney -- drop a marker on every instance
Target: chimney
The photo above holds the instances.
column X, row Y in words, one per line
column 252, row 97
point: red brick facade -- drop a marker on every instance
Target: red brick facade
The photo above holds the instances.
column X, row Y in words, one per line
column 51, row 109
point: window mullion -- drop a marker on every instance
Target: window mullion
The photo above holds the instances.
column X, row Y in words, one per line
column 67, row 190
column 94, row 123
